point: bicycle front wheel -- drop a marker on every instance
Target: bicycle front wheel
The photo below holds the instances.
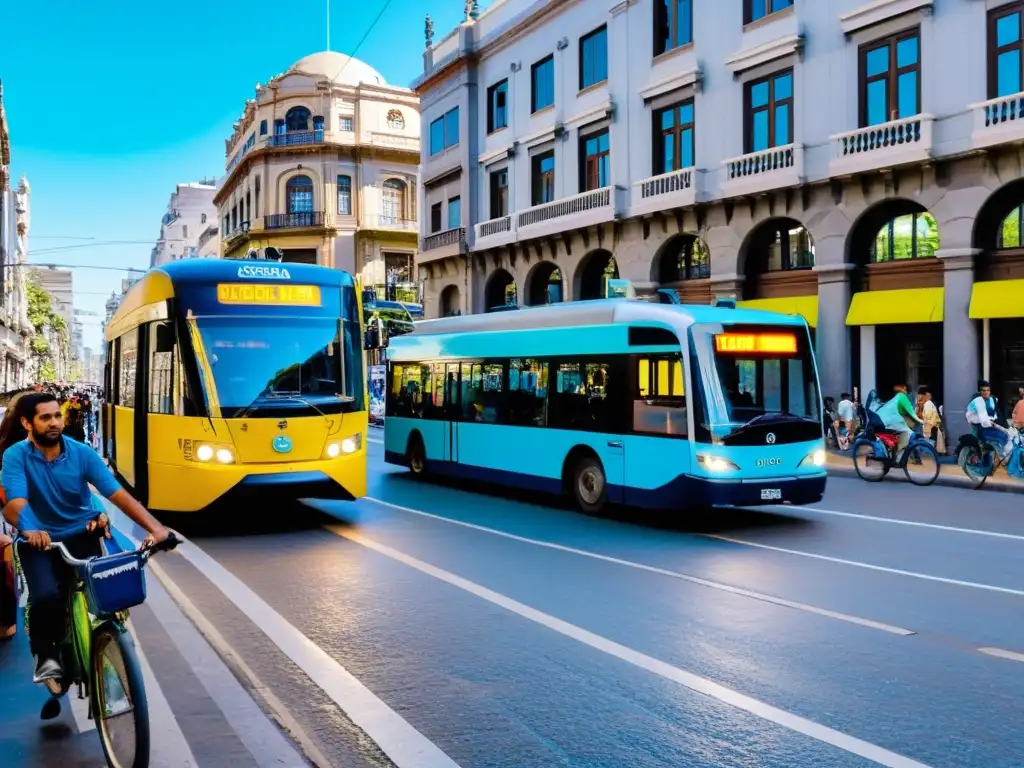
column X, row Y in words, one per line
column 921, row 464
column 119, row 698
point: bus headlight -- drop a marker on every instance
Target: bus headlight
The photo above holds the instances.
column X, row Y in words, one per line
column 716, row 463
column 816, row 459
column 346, row 446
column 210, row 452
column 225, row 456
column 204, row 452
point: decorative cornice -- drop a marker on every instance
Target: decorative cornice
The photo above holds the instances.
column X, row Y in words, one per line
column 678, row 81
column 749, row 58
column 878, row 11
column 600, row 112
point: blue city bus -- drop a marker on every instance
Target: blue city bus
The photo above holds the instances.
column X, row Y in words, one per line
column 613, row 401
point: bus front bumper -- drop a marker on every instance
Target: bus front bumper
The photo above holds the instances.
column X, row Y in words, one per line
column 692, row 491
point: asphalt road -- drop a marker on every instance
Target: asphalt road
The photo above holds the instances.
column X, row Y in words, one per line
column 440, row 625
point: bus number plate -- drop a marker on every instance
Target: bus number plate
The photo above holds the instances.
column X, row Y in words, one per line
column 771, row 494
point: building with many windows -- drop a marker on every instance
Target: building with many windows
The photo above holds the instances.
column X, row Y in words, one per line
column 323, row 165
column 14, row 324
column 190, row 217
column 855, row 162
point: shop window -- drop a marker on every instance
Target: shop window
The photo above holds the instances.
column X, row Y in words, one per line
column 659, row 405
column 686, row 258
column 527, row 392
column 1009, row 233
column 913, row 236
column 790, row 248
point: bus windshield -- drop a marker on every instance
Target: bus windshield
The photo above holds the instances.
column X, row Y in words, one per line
column 758, row 384
column 294, row 363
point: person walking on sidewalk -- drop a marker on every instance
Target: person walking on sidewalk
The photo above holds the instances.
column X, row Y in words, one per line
column 929, row 414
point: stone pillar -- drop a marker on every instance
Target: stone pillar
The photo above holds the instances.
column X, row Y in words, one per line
column 727, row 286
column 833, row 335
column 961, row 362
column 868, row 358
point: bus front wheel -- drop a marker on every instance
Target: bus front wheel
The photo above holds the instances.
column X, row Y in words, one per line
column 417, row 457
column 589, row 485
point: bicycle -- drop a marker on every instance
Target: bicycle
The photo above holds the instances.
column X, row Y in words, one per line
column 98, row 654
column 878, row 447
column 979, row 459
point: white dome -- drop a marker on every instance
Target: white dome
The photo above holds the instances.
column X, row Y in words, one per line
column 339, row 68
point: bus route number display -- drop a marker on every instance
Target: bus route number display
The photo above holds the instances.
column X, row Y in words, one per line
column 756, row 343
column 269, row 295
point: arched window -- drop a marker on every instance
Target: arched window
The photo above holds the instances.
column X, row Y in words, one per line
column 392, row 208
column 395, row 120
column 911, row 236
column 790, row 247
column 297, row 119
column 300, row 194
column 685, row 258
column 1009, row 232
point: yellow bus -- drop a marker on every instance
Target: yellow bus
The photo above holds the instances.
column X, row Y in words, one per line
column 228, row 380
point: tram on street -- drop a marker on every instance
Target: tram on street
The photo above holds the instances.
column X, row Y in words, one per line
column 229, row 379
column 613, row 401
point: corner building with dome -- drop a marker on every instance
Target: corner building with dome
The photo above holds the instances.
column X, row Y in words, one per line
column 323, row 164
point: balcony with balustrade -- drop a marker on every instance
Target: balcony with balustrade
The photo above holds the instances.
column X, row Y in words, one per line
column 887, row 145
column 774, row 168
column 383, row 222
column 998, row 121
column 675, row 189
column 442, row 245
column 296, row 138
column 494, row 233
column 587, row 209
column 300, row 220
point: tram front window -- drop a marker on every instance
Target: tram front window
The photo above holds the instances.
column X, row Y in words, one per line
column 295, row 363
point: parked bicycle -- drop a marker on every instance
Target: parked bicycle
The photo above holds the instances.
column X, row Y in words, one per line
column 98, row 654
column 875, row 453
column 979, row 459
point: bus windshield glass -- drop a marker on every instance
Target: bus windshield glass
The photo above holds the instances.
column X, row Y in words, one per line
column 299, row 364
column 758, row 384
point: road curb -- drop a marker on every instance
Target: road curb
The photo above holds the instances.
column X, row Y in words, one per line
column 943, row 480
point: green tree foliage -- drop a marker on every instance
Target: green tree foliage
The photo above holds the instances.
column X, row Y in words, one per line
column 47, row 325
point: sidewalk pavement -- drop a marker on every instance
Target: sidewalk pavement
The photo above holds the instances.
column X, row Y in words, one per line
column 950, row 474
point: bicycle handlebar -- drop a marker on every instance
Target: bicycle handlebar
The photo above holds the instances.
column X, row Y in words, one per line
column 58, row 546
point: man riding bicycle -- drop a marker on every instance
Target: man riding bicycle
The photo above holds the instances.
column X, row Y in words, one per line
column 47, row 478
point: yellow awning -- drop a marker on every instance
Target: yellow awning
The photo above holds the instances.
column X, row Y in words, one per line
column 807, row 306
column 906, row 305
column 997, row 298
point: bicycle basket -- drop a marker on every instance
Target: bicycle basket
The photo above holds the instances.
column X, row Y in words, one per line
column 114, row 583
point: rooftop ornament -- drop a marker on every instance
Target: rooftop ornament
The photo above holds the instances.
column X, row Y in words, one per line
column 428, row 31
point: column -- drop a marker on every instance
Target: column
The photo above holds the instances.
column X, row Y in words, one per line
column 960, row 359
column 726, row 286
column 868, row 377
column 833, row 335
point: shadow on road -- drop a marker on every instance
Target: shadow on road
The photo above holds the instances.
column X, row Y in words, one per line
column 255, row 520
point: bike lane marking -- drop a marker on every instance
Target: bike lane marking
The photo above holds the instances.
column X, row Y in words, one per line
column 1002, row 654
column 689, row 680
column 772, row 599
column 895, row 521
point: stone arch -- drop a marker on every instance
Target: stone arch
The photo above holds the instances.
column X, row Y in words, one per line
column 500, row 292
column 282, row 188
column 591, row 275
column 776, row 250
column 912, row 232
column 997, row 228
column 681, row 257
column 451, row 301
column 298, row 118
column 544, row 284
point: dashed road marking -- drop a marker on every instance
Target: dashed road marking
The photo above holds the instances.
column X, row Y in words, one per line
column 689, row 680
column 896, row 521
column 661, row 571
column 374, row 440
column 1002, row 654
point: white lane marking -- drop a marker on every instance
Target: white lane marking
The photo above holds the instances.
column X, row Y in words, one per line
column 80, row 711
column 374, row 440
column 688, row 680
column 1002, row 654
column 869, row 566
column 168, row 747
column 407, row 747
column 894, row 521
column 661, row 571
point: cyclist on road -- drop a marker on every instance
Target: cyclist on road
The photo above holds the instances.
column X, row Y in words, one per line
column 897, row 414
column 982, row 415
column 46, row 478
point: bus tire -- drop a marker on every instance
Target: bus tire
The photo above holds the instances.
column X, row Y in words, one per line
column 416, row 456
column 589, row 485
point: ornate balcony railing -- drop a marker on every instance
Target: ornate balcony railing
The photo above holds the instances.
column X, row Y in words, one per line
column 494, row 226
column 296, row 138
column 905, row 140
column 383, row 221
column 445, row 237
column 665, row 183
column 766, row 169
column 567, row 206
column 294, row 220
column 998, row 121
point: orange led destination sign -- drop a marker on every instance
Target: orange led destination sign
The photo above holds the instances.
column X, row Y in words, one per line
column 757, row 343
column 269, row 295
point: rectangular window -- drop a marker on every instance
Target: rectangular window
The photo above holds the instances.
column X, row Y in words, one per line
column 454, row 212
column 444, row 132
column 770, row 112
column 344, row 124
column 890, row 79
column 161, row 367
column 410, row 394
column 1005, row 48
column 263, row 127
column 595, row 162
column 673, row 24
column 499, row 193
column 659, row 404
column 527, row 393
column 279, row 127
column 543, row 177
column 435, row 217
column 673, row 138
column 758, row 9
column 483, row 392
column 594, row 58
column 497, row 106
column 580, row 399
column 345, row 195
column 542, row 79
column 129, row 365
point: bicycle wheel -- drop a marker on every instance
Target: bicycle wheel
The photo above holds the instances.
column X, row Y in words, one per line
column 119, row 698
column 921, row 464
column 869, row 466
column 971, row 460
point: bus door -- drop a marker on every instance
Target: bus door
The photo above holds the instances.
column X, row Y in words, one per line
column 452, row 406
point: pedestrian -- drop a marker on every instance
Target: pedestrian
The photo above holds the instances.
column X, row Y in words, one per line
column 929, row 414
column 11, row 432
column 847, row 413
column 1018, row 410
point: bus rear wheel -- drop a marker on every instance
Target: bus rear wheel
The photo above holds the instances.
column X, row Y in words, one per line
column 589, row 485
column 417, row 457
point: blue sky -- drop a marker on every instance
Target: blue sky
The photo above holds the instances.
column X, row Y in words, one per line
column 109, row 109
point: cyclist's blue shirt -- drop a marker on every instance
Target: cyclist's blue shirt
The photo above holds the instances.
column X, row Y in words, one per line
column 60, row 501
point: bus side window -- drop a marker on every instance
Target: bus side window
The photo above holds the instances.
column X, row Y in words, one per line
column 129, row 353
column 161, row 368
column 659, row 407
column 527, row 393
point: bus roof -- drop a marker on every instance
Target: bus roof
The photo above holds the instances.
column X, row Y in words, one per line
column 160, row 283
